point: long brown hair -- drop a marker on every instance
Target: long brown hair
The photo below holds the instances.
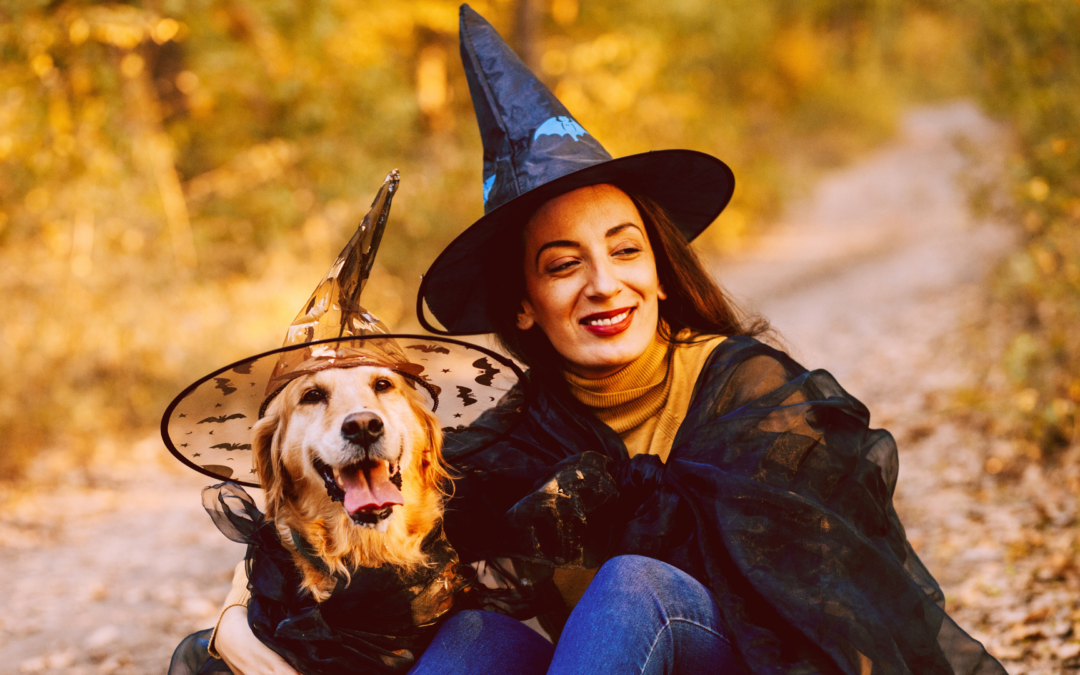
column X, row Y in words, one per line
column 694, row 299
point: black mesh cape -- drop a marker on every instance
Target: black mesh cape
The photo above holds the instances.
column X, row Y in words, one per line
column 377, row 624
column 777, row 496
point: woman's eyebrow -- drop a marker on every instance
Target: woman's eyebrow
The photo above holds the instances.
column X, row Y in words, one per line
column 558, row 243
column 619, row 228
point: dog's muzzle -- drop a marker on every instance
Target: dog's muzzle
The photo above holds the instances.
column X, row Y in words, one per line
column 370, row 486
column 375, row 518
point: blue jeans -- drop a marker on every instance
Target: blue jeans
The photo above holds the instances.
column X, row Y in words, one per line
column 638, row 616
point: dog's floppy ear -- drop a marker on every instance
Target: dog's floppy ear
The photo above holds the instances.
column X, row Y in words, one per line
column 433, row 470
column 273, row 477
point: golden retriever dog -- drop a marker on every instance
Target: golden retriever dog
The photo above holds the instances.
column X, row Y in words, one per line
column 350, row 459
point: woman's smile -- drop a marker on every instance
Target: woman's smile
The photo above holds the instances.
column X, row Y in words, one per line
column 608, row 323
column 590, row 280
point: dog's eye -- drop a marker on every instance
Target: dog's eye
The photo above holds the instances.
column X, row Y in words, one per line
column 382, row 384
column 315, row 395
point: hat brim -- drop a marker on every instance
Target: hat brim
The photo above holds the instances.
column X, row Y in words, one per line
column 209, row 425
column 691, row 186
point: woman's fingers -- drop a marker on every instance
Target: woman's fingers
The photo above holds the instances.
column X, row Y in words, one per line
column 242, row 651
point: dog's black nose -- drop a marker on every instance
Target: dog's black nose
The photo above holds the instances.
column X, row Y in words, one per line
column 362, row 429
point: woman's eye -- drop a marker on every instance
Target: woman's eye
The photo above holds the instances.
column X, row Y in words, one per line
column 315, row 395
column 382, row 384
column 561, row 265
column 629, row 250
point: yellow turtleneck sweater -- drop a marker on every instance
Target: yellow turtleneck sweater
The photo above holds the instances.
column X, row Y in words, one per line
column 644, row 403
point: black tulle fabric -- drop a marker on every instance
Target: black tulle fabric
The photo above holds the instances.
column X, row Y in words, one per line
column 776, row 495
column 377, row 623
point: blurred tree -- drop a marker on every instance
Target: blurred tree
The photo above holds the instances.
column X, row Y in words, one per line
column 526, row 31
column 176, row 174
column 1028, row 61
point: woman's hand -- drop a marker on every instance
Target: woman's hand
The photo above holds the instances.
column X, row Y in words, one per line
column 242, row 651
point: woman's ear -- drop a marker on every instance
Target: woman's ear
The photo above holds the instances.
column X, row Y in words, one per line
column 661, row 294
column 526, row 319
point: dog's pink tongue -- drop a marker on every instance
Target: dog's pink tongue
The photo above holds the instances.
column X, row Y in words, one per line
column 370, row 488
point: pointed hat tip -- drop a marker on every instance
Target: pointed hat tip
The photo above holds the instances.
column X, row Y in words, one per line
column 466, row 13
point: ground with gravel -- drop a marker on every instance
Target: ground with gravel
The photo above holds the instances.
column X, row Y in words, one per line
column 878, row 276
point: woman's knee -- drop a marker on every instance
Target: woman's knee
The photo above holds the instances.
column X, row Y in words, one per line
column 478, row 642
column 644, row 616
column 637, row 584
column 631, row 569
column 474, row 625
column 466, row 624
column 629, row 564
column 639, row 572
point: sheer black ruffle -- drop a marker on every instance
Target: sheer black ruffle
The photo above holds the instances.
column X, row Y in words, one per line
column 776, row 495
column 378, row 623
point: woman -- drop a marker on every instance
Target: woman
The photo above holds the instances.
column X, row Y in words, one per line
column 737, row 506
column 620, row 336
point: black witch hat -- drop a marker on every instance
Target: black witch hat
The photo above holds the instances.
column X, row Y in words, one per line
column 535, row 150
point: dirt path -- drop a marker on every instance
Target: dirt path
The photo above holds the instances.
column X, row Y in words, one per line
column 108, row 580
column 880, row 278
column 876, row 277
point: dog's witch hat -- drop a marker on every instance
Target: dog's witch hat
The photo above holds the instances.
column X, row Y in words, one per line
column 208, row 426
column 535, row 150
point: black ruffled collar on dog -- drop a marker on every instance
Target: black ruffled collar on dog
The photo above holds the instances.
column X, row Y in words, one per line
column 379, row 621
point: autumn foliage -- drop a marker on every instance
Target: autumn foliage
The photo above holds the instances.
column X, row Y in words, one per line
column 175, row 175
column 1027, row 70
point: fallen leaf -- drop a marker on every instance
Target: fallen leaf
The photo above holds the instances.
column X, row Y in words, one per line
column 98, row 591
column 1068, row 650
column 1026, row 632
column 1037, row 615
column 98, row 643
column 102, row 636
column 1049, row 573
column 1010, row 653
column 1061, row 629
column 1060, row 563
column 60, row 660
column 198, row 607
column 114, row 663
column 34, row 665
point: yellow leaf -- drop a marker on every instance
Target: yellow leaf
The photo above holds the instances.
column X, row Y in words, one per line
column 42, row 64
column 165, row 30
column 1038, row 188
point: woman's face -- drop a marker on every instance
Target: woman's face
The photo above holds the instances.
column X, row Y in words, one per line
column 590, row 280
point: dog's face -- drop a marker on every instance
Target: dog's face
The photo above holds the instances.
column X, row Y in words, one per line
column 356, row 428
column 366, row 433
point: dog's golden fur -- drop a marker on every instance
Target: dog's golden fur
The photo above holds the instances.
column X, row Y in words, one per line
column 292, row 433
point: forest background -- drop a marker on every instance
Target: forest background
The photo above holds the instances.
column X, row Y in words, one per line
column 176, row 175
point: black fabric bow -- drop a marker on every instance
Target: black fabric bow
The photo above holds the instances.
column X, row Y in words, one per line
column 776, row 495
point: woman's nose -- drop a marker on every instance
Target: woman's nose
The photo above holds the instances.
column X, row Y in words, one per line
column 602, row 281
